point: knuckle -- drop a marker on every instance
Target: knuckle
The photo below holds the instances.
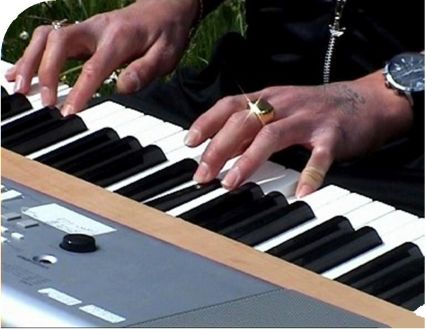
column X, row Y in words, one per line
column 270, row 133
column 90, row 69
column 230, row 101
column 41, row 30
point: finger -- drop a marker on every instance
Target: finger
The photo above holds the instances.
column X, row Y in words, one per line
column 209, row 123
column 271, row 138
column 240, row 127
column 51, row 64
column 143, row 70
column 315, row 170
column 26, row 67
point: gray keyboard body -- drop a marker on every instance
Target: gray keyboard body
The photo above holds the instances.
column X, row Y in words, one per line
column 133, row 279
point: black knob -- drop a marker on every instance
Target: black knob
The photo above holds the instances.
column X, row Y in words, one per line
column 78, row 243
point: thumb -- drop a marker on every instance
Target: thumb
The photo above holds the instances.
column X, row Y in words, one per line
column 314, row 172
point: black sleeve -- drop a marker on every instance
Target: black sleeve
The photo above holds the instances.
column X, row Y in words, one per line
column 209, row 6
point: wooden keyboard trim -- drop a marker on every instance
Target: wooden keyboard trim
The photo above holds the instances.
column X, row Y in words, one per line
column 201, row 241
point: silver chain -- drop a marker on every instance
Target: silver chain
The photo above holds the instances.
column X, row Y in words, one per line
column 336, row 31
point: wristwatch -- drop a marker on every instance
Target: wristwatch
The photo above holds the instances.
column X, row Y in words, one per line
column 405, row 73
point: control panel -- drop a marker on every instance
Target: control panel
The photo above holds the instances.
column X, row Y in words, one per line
column 64, row 266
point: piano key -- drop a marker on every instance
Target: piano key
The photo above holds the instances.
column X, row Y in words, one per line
column 313, row 238
column 346, row 204
column 343, row 204
column 409, row 232
column 397, row 276
column 238, row 213
column 14, row 104
column 241, row 196
column 92, row 156
column 340, row 250
column 172, row 157
column 4, row 92
column 261, row 227
column 160, row 181
column 109, row 115
column 172, row 200
column 44, row 134
column 35, row 100
column 323, row 196
column 99, row 137
column 123, row 165
column 284, row 182
column 29, row 121
column 367, row 213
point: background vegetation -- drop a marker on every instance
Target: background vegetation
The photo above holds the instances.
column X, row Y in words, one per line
column 228, row 17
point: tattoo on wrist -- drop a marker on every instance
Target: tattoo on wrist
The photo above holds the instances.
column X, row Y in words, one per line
column 347, row 99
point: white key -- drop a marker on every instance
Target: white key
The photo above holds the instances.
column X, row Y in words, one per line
column 172, row 142
column 371, row 211
column 344, row 205
column 391, row 222
column 283, row 181
column 421, row 243
column 154, row 134
column 323, row 196
column 341, row 206
column 410, row 232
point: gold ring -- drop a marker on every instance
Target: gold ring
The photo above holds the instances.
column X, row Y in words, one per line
column 263, row 110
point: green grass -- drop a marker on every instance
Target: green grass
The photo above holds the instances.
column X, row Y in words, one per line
column 228, row 17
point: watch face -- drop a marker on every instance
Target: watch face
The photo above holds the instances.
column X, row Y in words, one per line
column 408, row 71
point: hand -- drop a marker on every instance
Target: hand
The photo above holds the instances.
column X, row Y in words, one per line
column 336, row 121
column 151, row 35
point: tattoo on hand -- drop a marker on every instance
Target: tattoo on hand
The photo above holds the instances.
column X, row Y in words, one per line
column 347, row 99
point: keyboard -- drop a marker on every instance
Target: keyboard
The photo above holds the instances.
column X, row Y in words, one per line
column 338, row 234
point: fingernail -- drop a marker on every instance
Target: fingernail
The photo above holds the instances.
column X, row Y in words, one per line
column 133, row 81
column 304, row 190
column 192, row 137
column 47, row 96
column 202, row 174
column 67, row 110
column 232, row 179
column 10, row 72
column 18, row 83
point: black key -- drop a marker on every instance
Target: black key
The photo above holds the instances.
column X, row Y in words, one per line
column 340, row 250
column 261, row 227
column 46, row 135
column 370, row 271
column 29, row 121
column 4, row 92
column 161, row 181
column 313, row 238
column 393, row 276
column 409, row 294
column 208, row 211
column 88, row 142
column 14, row 104
column 97, row 154
column 238, row 214
column 123, row 166
column 175, row 199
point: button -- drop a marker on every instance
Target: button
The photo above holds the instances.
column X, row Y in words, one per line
column 4, row 229
column 3, row 188
column 9, row 195
column 78, row 243
column 27, row 223
column 10, row 216
column 3, row 239
column 17, row 236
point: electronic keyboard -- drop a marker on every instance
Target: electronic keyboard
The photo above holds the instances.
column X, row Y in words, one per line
column 335, row 233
